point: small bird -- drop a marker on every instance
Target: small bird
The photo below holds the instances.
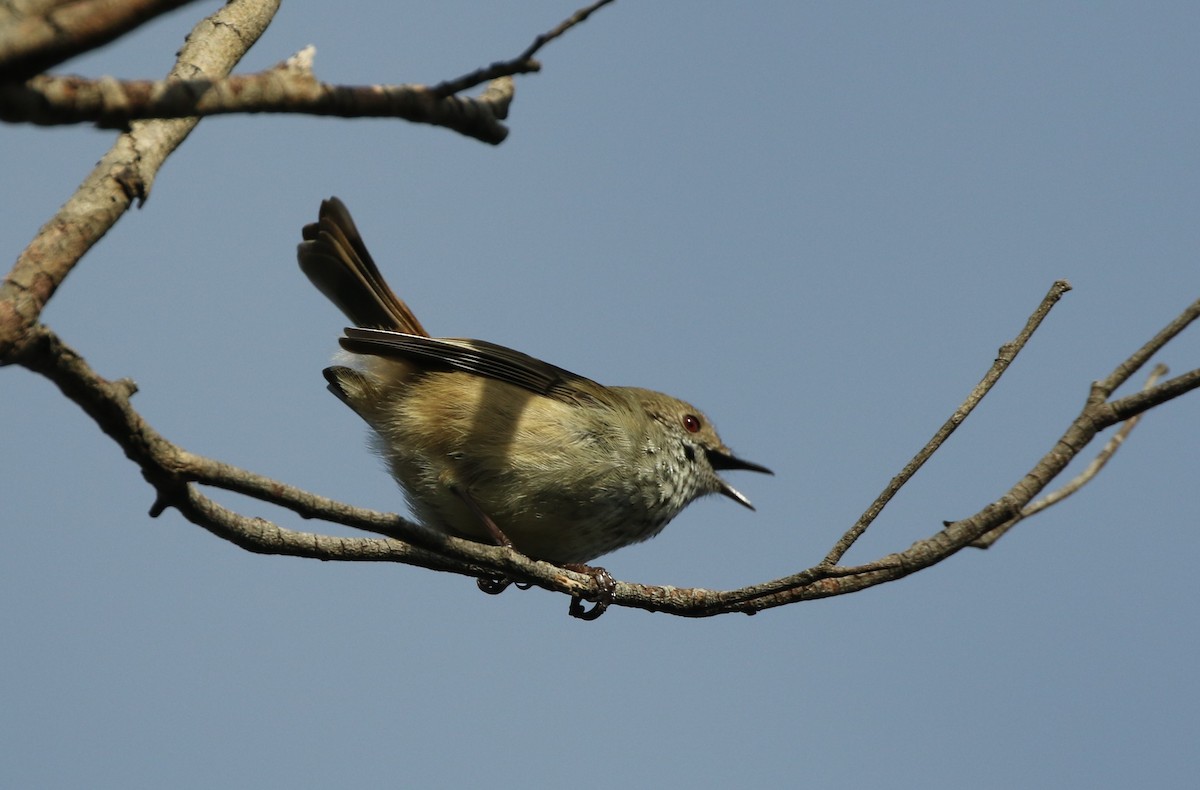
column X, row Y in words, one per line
column 496, row 446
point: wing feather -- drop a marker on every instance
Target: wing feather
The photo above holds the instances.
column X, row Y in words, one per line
column 480, row 358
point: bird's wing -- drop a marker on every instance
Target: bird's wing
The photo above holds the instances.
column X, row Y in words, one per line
column 480, row 358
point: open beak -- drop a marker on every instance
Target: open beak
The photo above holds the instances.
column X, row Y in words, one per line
column 722, row 461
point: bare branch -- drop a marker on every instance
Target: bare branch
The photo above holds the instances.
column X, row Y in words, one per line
column 1080, row 480
column 825, row 580
column 174, row 473
column 38, row 36
column 1008, row 352
column 288, row 87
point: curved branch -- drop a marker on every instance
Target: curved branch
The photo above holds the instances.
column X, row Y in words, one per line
column 825, row 580
column 175, row 475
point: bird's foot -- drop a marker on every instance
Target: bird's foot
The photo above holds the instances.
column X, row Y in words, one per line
column 608, row 589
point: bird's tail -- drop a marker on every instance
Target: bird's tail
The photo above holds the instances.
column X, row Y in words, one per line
column 336, row 260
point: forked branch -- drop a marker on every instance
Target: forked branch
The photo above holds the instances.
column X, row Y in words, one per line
column 177, row 475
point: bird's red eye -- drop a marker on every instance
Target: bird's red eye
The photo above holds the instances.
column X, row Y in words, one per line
column 691, row 422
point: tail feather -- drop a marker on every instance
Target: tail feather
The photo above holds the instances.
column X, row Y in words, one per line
column 337, row 262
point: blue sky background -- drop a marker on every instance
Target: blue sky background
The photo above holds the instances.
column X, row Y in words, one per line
column 818, row 222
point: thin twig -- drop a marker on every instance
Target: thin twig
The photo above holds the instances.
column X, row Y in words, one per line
column 1008, row 352
column 1131, row 405
column 1103, row 389
column 521, row 64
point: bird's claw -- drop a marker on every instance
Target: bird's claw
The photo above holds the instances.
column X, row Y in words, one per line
column 493, row 586
column 608, row 589
column 603, row 579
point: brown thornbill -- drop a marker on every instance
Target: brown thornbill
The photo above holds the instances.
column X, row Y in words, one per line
column 496, row 446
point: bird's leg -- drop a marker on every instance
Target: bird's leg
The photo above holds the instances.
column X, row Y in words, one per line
column 493, row 586
column 497, row 585
column 484, row 519
column 607, row 585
